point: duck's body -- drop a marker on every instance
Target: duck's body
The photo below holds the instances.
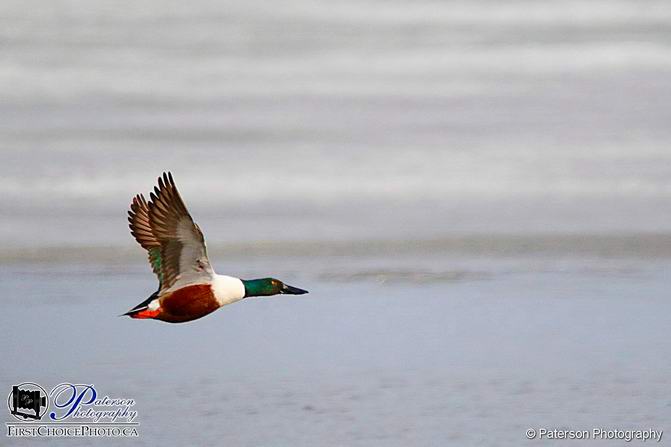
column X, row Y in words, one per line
column 188, row 286
column 192, row 301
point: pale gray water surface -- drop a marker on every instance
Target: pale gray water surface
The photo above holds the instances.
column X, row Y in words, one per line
column 473, row 356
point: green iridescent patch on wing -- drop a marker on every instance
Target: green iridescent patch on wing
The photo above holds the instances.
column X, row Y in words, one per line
column 156, row 262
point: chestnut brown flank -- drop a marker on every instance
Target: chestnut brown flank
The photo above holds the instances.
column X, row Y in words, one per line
column 188, row 303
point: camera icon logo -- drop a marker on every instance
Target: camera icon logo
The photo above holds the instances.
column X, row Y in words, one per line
column 28, row 400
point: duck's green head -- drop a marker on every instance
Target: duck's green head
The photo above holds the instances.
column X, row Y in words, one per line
column 269, row 286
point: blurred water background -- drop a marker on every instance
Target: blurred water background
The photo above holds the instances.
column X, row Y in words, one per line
column 476, row 194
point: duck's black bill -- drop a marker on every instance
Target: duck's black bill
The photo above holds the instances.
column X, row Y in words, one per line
column 291, row 290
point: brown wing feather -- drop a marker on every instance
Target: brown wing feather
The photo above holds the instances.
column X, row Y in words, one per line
column 138, row 221
column 183, row 253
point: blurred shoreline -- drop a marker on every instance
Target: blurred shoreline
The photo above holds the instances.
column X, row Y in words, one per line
column 624, row 245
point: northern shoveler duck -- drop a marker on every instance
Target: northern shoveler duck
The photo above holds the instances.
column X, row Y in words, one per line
column 188, row 286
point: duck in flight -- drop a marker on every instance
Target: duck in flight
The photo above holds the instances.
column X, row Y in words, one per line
column 188, row 287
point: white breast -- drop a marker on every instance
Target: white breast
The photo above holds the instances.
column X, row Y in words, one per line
column 227, row 289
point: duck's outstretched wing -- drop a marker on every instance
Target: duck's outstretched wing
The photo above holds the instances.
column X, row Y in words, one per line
column 182, row 256
column 183, row 253
column 138, row 221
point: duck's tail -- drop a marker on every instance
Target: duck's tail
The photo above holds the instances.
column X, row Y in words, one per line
column 142, row 310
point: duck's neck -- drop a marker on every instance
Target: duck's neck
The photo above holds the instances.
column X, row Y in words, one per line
column 227, row 289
